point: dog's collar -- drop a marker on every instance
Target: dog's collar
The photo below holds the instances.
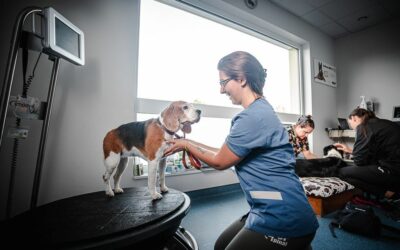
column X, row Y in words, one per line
column 193, row 160
column 165, row 128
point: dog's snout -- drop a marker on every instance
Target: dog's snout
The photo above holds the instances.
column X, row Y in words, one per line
column 198, row 111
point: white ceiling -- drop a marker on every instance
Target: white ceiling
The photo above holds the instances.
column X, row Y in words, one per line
column 339, row 18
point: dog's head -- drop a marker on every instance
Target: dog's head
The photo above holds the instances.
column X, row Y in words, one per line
column 180, row 115
column 332, row 151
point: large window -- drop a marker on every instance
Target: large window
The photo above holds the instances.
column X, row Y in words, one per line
column 178, row 56
column 179, row 52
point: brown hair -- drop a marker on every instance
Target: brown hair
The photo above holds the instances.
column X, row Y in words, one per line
column 242, row 65
column 304, row 121
column 364, row 115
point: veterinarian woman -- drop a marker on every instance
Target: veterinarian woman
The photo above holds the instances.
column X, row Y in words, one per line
column 258, row 147
column 298, row 137
column 376, row 154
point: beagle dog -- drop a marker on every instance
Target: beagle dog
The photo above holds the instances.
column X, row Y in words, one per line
column 146, row 139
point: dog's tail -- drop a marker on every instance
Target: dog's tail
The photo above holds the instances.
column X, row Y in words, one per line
column 112, row 143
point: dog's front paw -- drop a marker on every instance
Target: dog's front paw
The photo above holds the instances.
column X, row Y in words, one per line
column 110, row 193
column 118, row 190
column 164, row 189
column 156, row 196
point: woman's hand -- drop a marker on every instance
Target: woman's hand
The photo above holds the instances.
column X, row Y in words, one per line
column 176, row 145
column 343, row 147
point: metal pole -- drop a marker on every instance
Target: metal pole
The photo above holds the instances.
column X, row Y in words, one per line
column 42, row 145
column 7, row 86
column 12, row 59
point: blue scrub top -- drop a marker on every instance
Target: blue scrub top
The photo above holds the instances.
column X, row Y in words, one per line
column 278, row 204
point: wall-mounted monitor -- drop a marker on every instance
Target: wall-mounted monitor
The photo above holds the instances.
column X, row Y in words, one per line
column 62, row 38
column 396, row 113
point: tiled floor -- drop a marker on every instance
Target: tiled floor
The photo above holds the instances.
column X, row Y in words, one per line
column 213, row 210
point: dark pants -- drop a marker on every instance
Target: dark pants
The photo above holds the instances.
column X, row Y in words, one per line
column 372, row 178
column 236, row 237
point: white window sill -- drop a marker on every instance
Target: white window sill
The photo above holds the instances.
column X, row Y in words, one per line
column 186, row 172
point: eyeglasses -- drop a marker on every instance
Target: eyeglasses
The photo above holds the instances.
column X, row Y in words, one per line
column 224, row 82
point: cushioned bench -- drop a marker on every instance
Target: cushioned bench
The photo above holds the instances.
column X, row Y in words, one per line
column 327, row 194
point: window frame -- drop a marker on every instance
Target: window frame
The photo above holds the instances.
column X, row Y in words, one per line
column 205, row 10
column 155, row 106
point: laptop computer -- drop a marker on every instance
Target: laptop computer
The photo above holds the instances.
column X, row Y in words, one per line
column 343, row 123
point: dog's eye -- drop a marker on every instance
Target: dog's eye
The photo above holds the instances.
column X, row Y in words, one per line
column 185, row 107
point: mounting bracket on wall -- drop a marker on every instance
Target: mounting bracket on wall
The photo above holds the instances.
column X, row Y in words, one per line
column 251, row 4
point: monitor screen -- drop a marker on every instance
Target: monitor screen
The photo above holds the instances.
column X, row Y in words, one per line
column 343, row 124
column 62, row 38
column 67, row 38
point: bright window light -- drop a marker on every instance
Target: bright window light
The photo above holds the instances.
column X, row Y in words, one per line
column 210, row 131
column 179, row 52
column 178, row 56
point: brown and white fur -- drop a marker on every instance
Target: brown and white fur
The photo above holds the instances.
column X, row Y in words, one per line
column 146, row 139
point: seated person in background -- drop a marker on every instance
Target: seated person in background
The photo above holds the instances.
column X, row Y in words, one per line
column 298, row 137
column 376, row 155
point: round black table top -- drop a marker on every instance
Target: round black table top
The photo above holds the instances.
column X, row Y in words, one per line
column 94, row 219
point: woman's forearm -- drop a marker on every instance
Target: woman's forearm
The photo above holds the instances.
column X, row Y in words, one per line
column 202, row 152
column 219, row 159
column 309, row 155
column 215, row 150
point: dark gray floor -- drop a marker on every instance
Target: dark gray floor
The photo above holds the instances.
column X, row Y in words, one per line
column 212, row 210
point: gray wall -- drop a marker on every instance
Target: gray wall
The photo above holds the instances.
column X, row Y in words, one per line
column 92, row 99
column 369, row 64
column 88, row 101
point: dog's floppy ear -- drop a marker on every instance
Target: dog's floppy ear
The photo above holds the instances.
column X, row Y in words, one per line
column 327, row 148
column 171, row 116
